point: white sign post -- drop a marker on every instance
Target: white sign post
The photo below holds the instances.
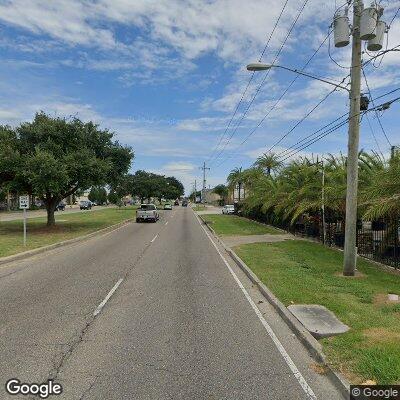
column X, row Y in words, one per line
column 24, row 205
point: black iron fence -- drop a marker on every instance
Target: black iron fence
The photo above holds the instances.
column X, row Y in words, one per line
column 377, row 240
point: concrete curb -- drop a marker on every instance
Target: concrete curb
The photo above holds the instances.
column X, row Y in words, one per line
column 39, row 250
column 310, row 343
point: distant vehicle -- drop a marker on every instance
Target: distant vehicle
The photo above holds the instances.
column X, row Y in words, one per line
column 85, row 205
column 94, row 204
column 167, row 206
column 176, row 203
column 228, row 209
column 147, row 212
column 184, row 203
column 60, row 207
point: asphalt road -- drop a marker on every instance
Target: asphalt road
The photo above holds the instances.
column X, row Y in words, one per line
column 148, row 311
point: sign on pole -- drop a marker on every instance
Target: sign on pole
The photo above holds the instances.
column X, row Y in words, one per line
column 24, row 205
column 23, row 202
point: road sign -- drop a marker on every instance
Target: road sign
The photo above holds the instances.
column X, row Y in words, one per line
column 23, row 202
column 24, row 205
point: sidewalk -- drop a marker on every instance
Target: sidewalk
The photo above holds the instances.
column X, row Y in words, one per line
column 16, row 215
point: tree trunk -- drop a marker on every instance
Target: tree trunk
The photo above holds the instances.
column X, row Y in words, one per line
column 50, row 208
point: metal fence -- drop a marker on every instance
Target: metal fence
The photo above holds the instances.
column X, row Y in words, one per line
column 377, row 240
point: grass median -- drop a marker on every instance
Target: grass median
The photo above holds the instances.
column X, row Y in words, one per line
column 301, row 272
column 233, row 225
column 68, row 226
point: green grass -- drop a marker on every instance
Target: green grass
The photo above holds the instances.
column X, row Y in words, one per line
column 69, row 226
column 309, row 273
column 199, row 208
column 234, row 225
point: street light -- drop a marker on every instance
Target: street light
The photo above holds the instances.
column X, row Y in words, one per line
column 256, row 67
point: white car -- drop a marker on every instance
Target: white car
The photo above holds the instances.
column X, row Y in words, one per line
column 229, row 209
column 147, row 212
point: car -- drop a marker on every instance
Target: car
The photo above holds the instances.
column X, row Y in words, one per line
column 147, row 212
column 85, row 205
column 228, row 209
column 176, row 203
column 167, row 206
column 184, row 203
column 60, row 206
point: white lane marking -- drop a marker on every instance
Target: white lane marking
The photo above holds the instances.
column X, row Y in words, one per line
column 154, row 238
column 303, row 383
column 166, row 223
column 110, row 293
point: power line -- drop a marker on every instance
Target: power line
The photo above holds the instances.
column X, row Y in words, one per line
column 376, row 112
column 250, row 80
column 336, row 127
column 294, row 146
column 262, row 82
column 282, row 95
column 373, row 135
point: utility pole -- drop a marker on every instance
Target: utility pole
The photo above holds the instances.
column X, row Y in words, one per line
column 323, row 203
column 203, row 194
column 195, row 191
column 350, row 249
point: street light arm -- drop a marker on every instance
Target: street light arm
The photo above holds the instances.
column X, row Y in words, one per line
column 313, row 77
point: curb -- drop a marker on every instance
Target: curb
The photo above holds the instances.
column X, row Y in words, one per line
column 39, row 250
column 311, row 344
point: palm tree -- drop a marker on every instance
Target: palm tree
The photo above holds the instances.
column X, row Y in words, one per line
column 235, row 178
column 268, row 162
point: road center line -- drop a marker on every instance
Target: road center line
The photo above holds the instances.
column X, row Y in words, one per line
column 154, row 238
column 110, row 293
column 303, row 383
column 166, row 223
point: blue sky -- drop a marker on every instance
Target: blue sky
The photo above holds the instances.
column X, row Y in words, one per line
column 167, row 75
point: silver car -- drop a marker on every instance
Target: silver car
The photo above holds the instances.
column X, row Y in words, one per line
column 228, row 209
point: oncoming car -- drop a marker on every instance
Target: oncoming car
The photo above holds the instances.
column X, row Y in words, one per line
column 228, row 209
column 167, row 206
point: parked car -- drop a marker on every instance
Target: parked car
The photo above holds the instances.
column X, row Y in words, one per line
column 60, row 207
column 85, row 205
column 167, row 206
column 228, row 209
column 147, row 212
column 176, row 203
column 184, row 203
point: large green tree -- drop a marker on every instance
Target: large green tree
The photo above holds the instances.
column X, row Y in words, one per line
column 54, row 158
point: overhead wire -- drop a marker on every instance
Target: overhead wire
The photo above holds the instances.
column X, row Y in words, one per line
column 376, row 112
column 263, row 80
column 282, row 95
column 336, row 127
column 250, row 79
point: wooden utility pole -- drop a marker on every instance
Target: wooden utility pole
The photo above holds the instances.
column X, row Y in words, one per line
column 350, row 249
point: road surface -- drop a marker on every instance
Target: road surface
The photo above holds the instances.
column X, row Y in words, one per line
column 148, row 311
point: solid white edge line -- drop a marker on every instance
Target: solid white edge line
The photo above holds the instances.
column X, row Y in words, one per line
column 166, row 223
column 154, row 238
column 303, row 383
column 110, row 293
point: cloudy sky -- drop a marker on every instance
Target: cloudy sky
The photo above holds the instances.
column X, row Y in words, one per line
column 167, row 76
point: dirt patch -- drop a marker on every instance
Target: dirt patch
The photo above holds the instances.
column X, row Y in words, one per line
column 381, row 335
column 357, row 275
column 381, row 299
column 319, row 368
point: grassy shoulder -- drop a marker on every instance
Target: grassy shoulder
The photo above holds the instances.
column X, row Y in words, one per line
column 199, row 208
column 300, row 272
column 234, row 225
column 68, row 226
